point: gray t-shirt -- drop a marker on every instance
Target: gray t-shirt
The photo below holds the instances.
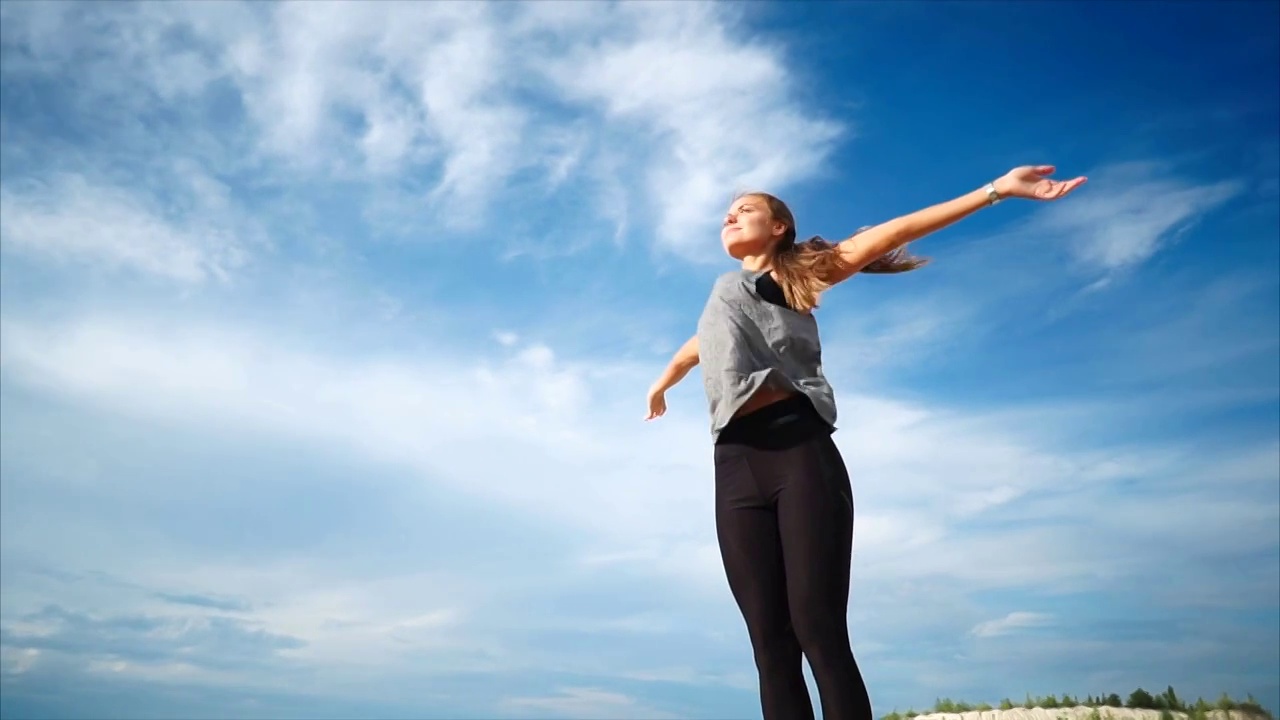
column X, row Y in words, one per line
column 746, row 342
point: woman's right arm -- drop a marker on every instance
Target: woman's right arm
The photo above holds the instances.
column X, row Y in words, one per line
column 685, row 359
column 1029, row 181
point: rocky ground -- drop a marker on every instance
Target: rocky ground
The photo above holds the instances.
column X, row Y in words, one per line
column 1079, row 712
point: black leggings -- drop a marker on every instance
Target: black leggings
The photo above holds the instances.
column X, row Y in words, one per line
column 784, row 518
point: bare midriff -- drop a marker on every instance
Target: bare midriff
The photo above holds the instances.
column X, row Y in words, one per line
column 762, row 397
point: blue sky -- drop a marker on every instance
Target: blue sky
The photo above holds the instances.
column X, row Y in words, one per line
column 327, row 330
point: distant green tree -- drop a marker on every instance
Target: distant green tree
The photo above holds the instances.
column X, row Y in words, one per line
column 1113, row 700
column 1141, row 699
column 1254, row 708
column 1067, row 701
column 1225, row 703
column 983, row 707
column 1050, row 702
column 1171, row 698
column 947, row 705
column 1006, row 704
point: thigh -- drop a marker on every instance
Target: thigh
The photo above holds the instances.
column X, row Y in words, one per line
column 750, row 546
column 815, row 521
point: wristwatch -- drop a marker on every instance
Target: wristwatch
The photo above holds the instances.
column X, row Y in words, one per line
column 993, row 197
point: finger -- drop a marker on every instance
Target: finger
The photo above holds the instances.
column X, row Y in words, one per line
column 1043, row 169
column 1070, row 185
column 1061, row 188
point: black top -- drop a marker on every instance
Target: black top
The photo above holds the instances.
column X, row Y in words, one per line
column 771, row 291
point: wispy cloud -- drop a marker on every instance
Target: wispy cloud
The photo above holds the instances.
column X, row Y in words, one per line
column 720, row 109
column 387, row 408
column 217, row 643
column 290, row 444
column 205, row 601
column 74, row 220
column 585, row 703
column 1006, row 289
column 1013, row 622
column 674, row 94
column 539, row 403
column 950, row 503
column 1135, row 210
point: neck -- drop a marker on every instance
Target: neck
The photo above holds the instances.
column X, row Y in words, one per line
column 756, row 263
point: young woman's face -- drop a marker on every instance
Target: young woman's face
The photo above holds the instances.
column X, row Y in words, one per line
column 749, row 228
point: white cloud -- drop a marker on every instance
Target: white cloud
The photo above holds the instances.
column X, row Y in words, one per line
column 1129, row 211
column 720, row 108
column 586, row 703
column 664, row 111
column 1014, row 621
column 386, row 410
column 75, row 220
column 433, row 117
column 947, row 504
column 917, row 472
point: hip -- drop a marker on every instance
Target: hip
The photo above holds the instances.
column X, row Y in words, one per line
column 781, row 421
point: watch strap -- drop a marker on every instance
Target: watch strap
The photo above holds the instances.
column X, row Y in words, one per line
column 993, row 196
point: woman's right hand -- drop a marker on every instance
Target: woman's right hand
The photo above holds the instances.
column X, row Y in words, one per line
column 657, row 402
column 1033, row 183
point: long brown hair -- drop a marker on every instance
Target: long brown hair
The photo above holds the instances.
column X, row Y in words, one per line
column 799, row 267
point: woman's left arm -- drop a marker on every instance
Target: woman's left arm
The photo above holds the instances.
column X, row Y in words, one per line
column 1030, row 182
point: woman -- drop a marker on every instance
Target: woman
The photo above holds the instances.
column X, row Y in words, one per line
column 783, row 503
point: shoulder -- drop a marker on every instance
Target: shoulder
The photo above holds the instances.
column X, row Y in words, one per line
column 731, row 281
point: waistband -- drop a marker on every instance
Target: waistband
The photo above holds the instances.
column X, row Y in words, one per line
column 776, row 426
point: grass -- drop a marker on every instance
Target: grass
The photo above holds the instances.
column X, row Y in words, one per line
column 1166, row 702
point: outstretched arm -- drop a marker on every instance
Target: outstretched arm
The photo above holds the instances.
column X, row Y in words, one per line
column 1029, row 182
column 685, row 359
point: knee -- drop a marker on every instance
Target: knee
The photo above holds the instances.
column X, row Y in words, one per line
column 819, row 630
column 777, row 649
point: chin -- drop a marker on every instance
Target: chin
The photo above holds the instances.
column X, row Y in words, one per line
column 737, row 250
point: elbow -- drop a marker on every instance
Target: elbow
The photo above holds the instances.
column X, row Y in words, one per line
column 689, row 353
column 868, row 247
column 898, row 232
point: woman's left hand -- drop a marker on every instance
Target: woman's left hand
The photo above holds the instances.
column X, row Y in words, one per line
column 1032, row 182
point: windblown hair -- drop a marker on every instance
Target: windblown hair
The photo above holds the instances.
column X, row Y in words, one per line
column 799, row 267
